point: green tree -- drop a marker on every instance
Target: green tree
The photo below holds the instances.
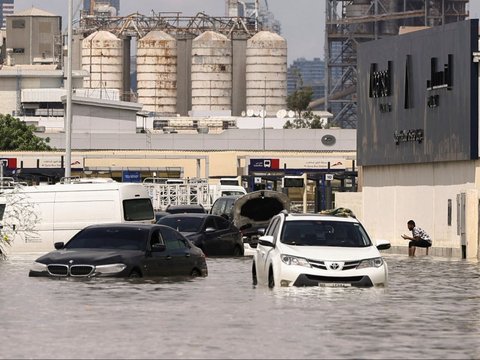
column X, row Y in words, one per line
column 306, row 119
column 298, row 101
column 16, row 135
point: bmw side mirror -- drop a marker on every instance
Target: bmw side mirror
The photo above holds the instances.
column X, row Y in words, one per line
column 158, row 247
column 59, row 245
column 210, row 230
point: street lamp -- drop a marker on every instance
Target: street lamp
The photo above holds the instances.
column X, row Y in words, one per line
column 68, row 115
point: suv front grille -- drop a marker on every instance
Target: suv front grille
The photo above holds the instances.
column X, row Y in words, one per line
column 348, row 265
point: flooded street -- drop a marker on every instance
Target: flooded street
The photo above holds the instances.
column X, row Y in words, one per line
column 431, row 309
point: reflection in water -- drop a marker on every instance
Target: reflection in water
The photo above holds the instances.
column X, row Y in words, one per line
column 431, row 309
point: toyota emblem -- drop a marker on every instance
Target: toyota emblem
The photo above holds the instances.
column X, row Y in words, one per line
column 334, row 266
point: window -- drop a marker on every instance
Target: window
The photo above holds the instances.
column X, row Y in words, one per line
column 157, row 240
column 18, row 24
column 172, row 240
column 110, row 238
column 222, row 223
column 138, row 209
column 2, row 211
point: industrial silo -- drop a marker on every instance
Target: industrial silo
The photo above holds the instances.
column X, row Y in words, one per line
column 102, row 57
column 211, row 72
column 266, row 72
column 157, row 72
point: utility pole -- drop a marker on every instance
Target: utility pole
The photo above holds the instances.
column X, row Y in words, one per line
column 68, row 117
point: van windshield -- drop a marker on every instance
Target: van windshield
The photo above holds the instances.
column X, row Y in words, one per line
column 138, row 209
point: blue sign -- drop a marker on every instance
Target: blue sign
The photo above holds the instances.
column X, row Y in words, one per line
column 131, row 176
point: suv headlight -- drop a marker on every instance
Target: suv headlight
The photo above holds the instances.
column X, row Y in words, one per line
column 375, row 262
column 293, row 260
column 110, row 268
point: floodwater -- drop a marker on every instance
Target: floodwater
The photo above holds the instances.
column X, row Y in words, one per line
column 431, row 309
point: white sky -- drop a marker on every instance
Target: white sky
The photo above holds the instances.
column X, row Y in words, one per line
column 303, row 21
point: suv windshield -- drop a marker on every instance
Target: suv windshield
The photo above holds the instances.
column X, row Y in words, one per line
column 324, row 233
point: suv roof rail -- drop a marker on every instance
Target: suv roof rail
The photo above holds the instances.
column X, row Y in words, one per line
column 285, row 212
column 344, row 212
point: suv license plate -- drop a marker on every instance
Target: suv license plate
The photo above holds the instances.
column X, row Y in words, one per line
column 334, row 285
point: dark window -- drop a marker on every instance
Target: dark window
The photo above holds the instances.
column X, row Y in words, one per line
column 18, row 24
column 222, row 223
column 182, row 224
column 2, row 211
column 210, row 223
column 156, row 240
column 172, row 240
column 110, row 238
column 138, row 209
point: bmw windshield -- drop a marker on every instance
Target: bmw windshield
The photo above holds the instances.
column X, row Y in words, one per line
column 324, row 233
column 109, row 238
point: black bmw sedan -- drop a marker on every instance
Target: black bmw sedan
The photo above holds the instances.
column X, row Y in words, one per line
column 215, row 235
column 123, row 250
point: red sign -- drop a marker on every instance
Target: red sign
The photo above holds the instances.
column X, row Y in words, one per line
column 9, row 163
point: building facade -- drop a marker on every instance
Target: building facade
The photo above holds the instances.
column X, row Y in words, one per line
column 7, row 7
column 418, row 137
column 302, row 73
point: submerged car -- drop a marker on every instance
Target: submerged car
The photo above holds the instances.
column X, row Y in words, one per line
column 123, row 250
column 318, row 250
column 215, row 235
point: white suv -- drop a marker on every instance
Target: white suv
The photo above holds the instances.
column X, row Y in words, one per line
column 318, row 250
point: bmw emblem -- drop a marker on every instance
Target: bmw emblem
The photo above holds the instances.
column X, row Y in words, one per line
column 70, row 262
column 334, row 266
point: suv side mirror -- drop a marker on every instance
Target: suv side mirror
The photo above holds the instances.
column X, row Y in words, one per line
column 59, row 245
column 383, row 244
column 266, row 240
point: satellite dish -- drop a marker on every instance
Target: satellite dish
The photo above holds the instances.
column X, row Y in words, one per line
column 291, row 114
column 243, row 113
column 281, row 113
column 249, row 112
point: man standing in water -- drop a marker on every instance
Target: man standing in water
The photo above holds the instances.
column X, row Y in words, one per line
column 419, row 238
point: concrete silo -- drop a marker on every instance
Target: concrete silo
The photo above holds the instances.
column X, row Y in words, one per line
column 157, row 72
column 266, row 72
column 211, row 72
column 102, row 57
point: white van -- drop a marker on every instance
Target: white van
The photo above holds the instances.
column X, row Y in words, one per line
column 36, row 217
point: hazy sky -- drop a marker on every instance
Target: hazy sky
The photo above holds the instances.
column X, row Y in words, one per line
column 303, row 21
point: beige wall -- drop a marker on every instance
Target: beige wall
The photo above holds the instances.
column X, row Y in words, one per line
column 392, row 195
